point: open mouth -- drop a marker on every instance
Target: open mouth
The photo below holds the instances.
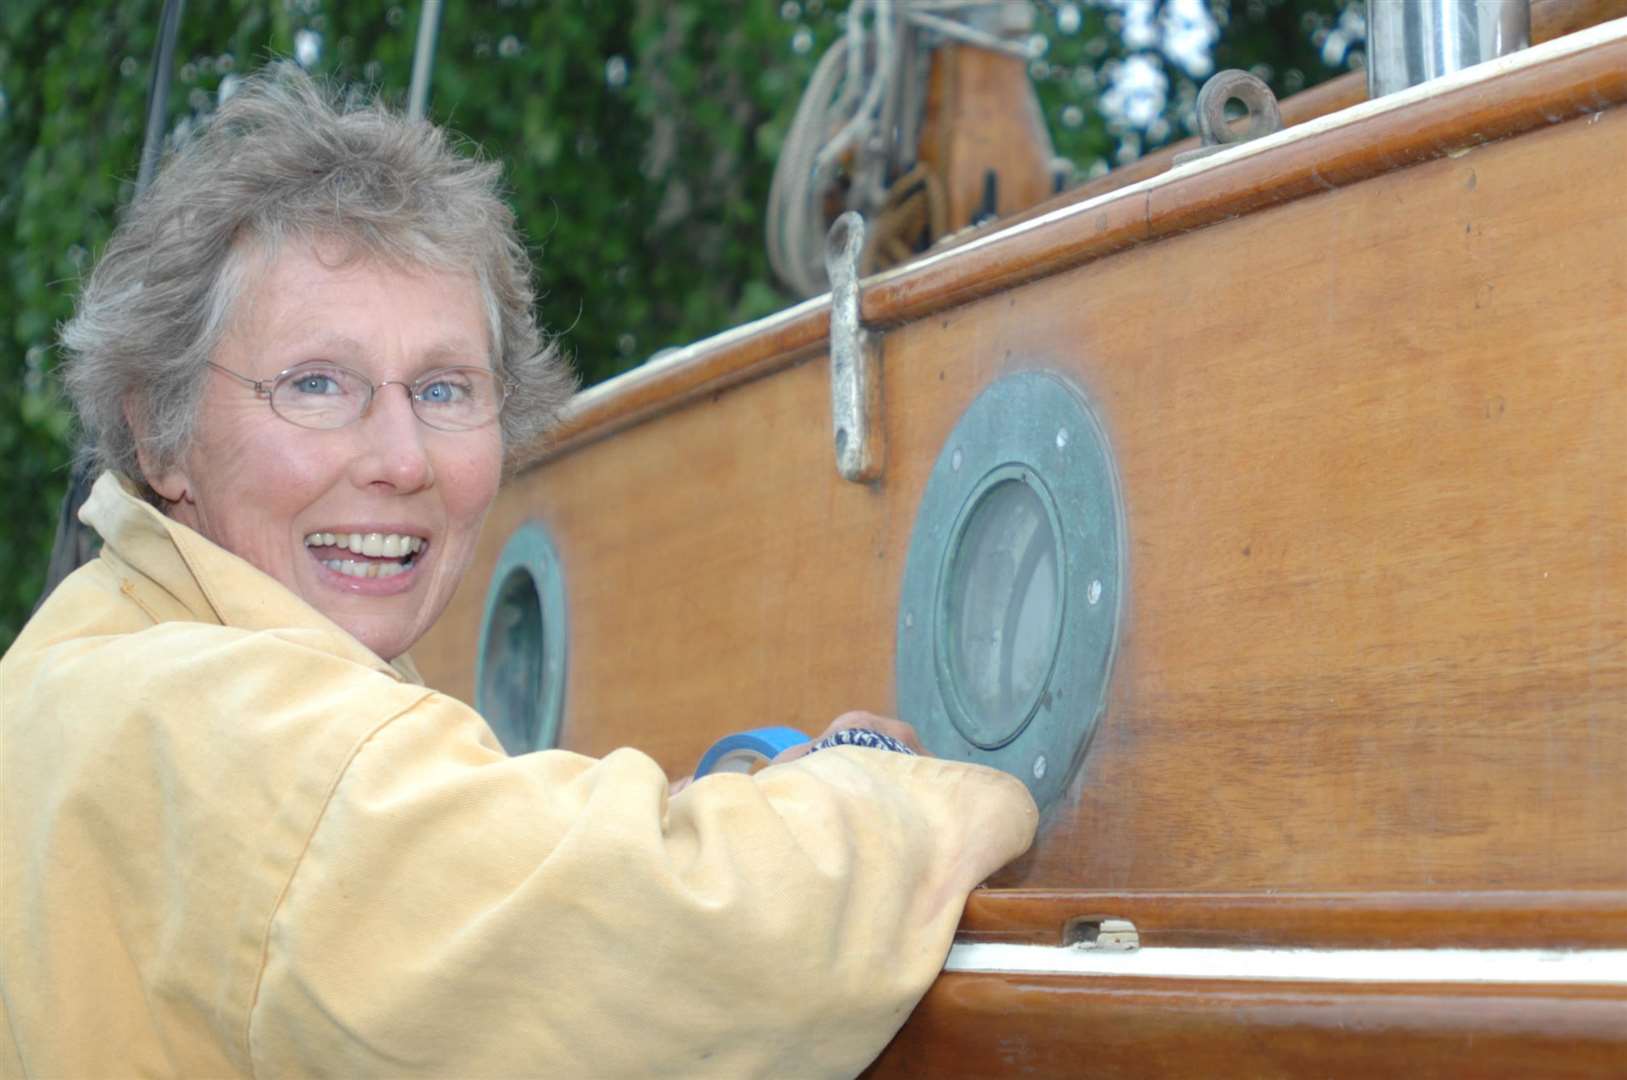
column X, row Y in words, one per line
column 366, row 555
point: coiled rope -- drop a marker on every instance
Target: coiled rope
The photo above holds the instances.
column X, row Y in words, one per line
column 862, row 109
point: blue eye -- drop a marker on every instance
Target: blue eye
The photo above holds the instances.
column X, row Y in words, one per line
column 315, row 382
column 445, row 391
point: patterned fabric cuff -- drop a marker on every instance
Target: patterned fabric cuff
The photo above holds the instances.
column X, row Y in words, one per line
column 861, row 737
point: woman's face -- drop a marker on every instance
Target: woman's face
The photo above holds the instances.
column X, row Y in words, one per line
column 272, row 493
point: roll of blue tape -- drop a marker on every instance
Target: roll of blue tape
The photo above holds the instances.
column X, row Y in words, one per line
column 744, row 750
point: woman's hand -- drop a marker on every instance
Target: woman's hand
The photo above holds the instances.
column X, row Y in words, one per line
column 896, row 729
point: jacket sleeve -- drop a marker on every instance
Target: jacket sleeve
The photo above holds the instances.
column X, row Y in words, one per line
column 459, row 912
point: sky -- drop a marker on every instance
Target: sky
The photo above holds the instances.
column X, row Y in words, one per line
column 1184, row 32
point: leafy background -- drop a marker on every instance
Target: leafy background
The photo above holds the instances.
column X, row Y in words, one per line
column 639, row 139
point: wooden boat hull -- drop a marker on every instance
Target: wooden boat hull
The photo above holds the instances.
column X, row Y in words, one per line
column 1366, row 393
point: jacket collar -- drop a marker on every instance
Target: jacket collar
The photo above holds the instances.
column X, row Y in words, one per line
column 206, row 581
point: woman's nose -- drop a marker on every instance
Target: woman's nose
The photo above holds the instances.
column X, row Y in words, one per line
column 394, row 453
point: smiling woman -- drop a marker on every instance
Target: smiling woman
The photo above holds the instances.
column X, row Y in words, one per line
column 241, row 837
column 332, row 455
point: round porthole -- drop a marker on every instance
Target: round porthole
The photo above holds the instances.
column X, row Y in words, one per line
column 520, row 673
column 1012, row 587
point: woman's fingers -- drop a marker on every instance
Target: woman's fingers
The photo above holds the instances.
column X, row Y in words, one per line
column 792, row 753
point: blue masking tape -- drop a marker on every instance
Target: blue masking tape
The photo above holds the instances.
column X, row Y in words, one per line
column 742, row 751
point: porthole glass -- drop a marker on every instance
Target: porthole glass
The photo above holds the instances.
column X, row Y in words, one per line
column 1001, row 608
column 520, row 670
column 511, row 665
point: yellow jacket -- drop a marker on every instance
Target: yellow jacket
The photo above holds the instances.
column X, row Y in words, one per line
column 236, row 842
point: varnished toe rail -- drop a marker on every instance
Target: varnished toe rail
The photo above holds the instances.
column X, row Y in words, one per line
column 1504, row 984
column 1060, row 1026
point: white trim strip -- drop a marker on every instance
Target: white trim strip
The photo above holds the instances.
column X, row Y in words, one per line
column 664, row 361
column 1604, row 967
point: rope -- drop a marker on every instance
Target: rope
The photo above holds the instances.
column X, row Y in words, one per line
column 791, row 213
column 858, row 110
column 913, row 217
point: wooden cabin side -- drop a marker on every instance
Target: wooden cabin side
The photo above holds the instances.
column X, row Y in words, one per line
column 1364, row 384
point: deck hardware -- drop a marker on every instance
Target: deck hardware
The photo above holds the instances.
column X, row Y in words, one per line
column 855, row 359
column 1224, row 87
column 1103, row 935
column 1012, row 593
column 1408, row 44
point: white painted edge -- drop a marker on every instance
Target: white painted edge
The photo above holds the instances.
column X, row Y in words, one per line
column 1604, row 967
column 668, row 359
column 1582, row 40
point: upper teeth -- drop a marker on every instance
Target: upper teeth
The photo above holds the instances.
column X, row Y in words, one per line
column 387, row 545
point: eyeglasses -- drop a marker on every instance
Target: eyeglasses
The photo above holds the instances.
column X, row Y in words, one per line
column 326, row 396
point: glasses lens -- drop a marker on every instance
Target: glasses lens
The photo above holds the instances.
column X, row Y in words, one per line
column 457, row 399
column 320, row 395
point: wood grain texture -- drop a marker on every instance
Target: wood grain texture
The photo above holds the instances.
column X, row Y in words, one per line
column 981, row 117
column 1371, row 448
column 1038, row 1026
column 1377, row 536
column 1556, row 18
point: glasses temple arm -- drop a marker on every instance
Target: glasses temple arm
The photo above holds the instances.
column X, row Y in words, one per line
column 259, row 386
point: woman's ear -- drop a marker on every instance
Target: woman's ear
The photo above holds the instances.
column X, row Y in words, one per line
column 172, row 484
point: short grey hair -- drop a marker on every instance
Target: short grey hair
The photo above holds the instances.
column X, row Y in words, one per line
column 285, row 158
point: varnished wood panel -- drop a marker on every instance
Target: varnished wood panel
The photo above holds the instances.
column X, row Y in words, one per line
column 982, row 117
column 1371, row 447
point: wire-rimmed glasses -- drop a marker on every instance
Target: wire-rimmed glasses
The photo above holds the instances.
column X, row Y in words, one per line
column 326, row 396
